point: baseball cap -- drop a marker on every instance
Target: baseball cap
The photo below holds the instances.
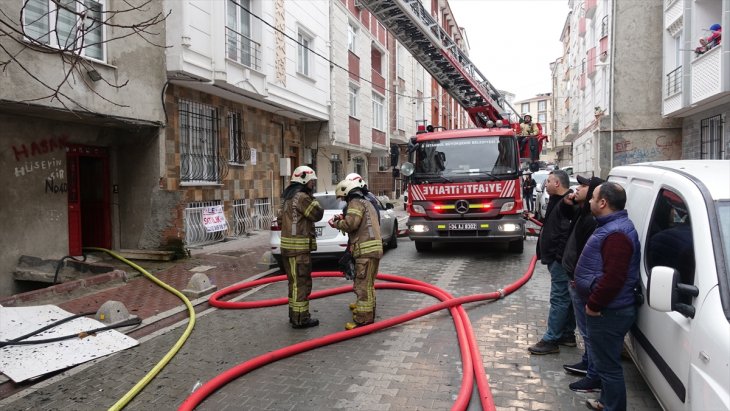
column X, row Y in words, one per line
column 583, row 181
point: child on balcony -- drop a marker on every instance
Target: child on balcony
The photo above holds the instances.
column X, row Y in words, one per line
column 706, row 43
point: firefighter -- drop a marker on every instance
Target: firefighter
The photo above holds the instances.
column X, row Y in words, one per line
column 299, row 211
column 530, row 130
column 360, row 222
column 366, row 192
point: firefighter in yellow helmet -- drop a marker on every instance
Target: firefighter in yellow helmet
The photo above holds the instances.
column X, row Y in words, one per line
column 360, row 222
column 299, row 211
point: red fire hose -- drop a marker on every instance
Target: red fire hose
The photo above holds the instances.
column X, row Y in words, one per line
column 471, row 357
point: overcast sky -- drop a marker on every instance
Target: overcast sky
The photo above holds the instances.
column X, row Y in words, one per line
column 513, row 42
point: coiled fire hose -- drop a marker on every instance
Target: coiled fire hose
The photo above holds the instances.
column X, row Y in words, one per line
column 471, row 358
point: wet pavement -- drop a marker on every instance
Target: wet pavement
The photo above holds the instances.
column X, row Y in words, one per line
column 413, row 366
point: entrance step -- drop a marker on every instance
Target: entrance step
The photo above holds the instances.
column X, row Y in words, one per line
column 41, row 270
column 150, row 255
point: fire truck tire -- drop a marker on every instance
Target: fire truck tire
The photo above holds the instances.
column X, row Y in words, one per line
column 423, row 246
column 516, row 246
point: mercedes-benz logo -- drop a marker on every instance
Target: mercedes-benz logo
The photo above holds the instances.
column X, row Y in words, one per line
column 461, row 206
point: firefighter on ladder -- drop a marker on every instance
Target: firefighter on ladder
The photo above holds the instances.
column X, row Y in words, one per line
column 299, row 211
column 360, row 222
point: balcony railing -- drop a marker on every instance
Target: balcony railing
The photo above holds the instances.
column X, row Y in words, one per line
column 243, row 49
column 674, row 82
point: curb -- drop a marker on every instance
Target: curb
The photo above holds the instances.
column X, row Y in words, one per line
column 63, row 289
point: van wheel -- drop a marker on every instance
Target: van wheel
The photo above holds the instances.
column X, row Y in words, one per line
column 516, row 246
column 423, row 246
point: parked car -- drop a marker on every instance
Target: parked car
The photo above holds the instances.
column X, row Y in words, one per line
column 331, row 242
column 681, row 340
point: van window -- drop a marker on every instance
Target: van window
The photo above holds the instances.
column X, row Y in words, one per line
column 669, row 240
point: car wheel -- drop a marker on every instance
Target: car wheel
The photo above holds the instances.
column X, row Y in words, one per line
column 423, row 246
column 516, row 246
column 279, row 261
column 393, row 243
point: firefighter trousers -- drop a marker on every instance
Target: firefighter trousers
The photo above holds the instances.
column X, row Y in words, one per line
column 365, row 271
column 299, row 272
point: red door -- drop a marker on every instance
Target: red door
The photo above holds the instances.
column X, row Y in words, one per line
column 89, row 198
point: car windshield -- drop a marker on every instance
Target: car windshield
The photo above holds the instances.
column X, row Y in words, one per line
column 723, row 214
column 539, row 178
column 330, row 202
column 478, row 157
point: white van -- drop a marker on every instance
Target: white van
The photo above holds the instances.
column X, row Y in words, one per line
column 681, row 341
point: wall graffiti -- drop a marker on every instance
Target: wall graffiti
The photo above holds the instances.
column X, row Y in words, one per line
column 43, row 146
column 55, row 187
column 639, row 150
column 31, row 166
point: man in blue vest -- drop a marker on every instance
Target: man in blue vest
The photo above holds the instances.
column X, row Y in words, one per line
column 605, row 277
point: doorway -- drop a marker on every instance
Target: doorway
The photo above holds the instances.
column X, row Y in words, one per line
column 89, row 198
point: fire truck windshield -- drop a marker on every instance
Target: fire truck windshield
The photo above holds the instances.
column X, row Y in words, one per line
column 473, row 158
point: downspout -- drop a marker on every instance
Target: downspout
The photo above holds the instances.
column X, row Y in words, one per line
column 725, row 59
column 612, row 77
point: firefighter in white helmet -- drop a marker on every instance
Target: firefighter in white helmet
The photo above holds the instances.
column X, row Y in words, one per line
column 299, row 211
column 365, row 191
column 360, row 222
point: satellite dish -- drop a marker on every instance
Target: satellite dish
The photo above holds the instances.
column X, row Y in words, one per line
column 407, row 169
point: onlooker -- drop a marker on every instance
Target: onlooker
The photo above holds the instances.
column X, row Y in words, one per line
column 299, row 211
column 582, row 225
column 550, row 248
column 360, row 222
column 706, row 43
column 528, row 186
column 605, row 277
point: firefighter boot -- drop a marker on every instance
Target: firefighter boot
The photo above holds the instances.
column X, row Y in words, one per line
column 309, row 322
column 353, row 325
column 353, row 306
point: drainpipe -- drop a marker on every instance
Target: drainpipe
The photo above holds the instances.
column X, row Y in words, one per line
column 725, row 59
column 612, row 79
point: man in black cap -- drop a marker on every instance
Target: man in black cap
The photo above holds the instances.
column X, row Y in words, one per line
column 582, row 226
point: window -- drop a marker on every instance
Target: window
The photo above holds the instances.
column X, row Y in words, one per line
column 303, row 54
column 383, row 163
column 199, row 153
column 542, row 105
column 239, row 151
column 353, row 101
column 401, row 56
column 399, row 113
column 541, row 118
column 669, row 241
column 525, row 108
column 604, row 26
column 240, row 47
column 378, row 106
column 351, row 38
column 336, row 165
column 711, row 138
column 359, row 166
column 49, row 24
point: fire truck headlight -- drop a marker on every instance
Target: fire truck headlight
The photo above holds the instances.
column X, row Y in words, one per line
column 419, row 228
column 507, row 207
column 509, row 227
column 419, row 209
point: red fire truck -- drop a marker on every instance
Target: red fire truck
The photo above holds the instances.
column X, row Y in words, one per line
column 463, row 185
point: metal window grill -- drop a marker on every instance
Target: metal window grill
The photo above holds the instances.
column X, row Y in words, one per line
column 243, row 49
column 238, row 147
column 263, row 213
column 674, row 81
column 195, row 233
column 242, row 221
column 200, row 159
column 712, row 145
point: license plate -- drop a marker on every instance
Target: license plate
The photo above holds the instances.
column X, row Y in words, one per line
column 318, row 230
column 462, row 226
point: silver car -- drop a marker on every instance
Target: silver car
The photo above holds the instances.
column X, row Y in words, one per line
column 331, row 242
column 543, row 198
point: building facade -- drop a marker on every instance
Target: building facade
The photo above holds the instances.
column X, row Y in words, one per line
column 696, row 86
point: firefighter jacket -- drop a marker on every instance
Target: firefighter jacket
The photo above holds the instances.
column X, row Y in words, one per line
column 361, row 223
column 296, row 219
column 529, row 129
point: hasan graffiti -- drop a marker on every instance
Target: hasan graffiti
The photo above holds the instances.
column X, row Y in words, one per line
column 43, row 146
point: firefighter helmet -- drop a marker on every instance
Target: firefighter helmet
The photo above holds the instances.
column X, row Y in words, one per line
column 345, row 186
column 357, row 178
column 303, row 174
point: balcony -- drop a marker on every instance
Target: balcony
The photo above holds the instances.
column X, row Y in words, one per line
column 242, row 49
column 591, row 60
column 706, row 77
column 583, row 81
column 582, row 27
column 591, row 6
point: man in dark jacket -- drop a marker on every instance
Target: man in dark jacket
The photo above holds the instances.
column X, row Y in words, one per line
column 528, row 186
column 605, row 277
column 550, row 247
column 582, row 225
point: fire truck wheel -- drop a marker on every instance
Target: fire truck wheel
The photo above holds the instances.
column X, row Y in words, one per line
column 516, row 246
column 423, row 246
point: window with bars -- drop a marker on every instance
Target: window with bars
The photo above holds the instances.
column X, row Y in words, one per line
column 712, row 144
column 238, row 148
column 240, row 46
column 199, row 143
column 72, row 25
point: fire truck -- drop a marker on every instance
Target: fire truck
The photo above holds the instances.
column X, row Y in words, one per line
column 463, row 185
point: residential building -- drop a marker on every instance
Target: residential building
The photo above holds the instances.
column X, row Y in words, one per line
column 614, row 86
column 81, row 155
column 696, row 86
column 540, row 108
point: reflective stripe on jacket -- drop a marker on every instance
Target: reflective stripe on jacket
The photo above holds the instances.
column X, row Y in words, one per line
column 296, row 219
column 362, row 228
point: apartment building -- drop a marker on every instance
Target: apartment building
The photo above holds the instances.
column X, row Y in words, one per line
column 81, row 128
column 696, row 86
column 614, row 82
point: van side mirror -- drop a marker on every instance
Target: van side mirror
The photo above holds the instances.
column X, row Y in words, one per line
column 663, row 291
